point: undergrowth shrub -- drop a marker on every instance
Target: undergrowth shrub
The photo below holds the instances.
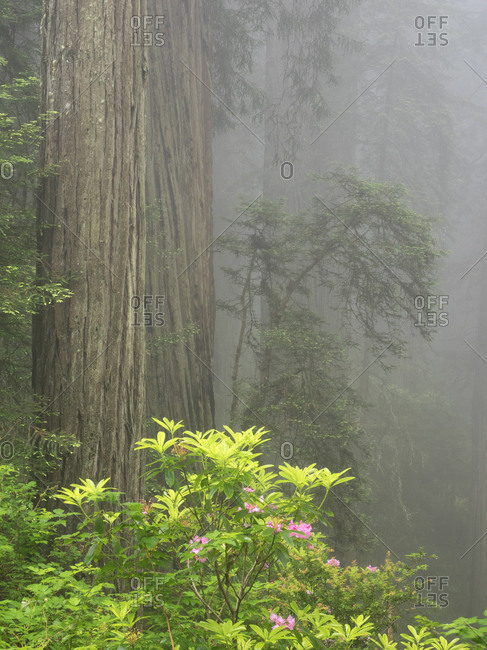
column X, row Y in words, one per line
column 200, row 565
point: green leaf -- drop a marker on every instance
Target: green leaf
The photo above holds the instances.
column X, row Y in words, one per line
column 99, row 526
column 282, row 556
column 117, row 547
column 228, row 489
column 90, row 554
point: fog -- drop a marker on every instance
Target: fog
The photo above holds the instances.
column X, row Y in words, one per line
column 404, row 102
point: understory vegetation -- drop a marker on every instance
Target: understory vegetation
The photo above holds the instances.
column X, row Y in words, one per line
column 225, row 553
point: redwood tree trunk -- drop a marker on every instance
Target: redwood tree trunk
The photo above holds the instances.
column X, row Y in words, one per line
column 89, row 358
column 179, row 196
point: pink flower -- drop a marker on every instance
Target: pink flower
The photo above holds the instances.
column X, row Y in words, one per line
column 279, row 621
column 248, row 489
column 372, row 568
column 333, row 562
column 308, row 591
column 277, row 526
column 198, row 540
column 251, row 508
column 310, row 546
column 302, row 527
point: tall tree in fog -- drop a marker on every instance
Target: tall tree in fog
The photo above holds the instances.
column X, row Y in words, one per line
column 89, row 359
column 180, row 227
column 405, row 119
column 303, row 42
column 301, row 46
column 304, row 392
column 222, row 37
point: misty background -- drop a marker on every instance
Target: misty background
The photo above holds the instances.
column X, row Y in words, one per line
column 406, row 105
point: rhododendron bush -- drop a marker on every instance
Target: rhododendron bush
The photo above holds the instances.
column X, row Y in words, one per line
column 225, row 554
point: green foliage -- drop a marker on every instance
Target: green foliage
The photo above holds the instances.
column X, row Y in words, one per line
column 19, row 41
column 324, row 629
column 191, row 569
column 384, row 593
column 419, row 639
column 26, row 532
column 62, row 610
column 20, row 295
column 362, row 242
column 390, row 258
column 471, row 630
